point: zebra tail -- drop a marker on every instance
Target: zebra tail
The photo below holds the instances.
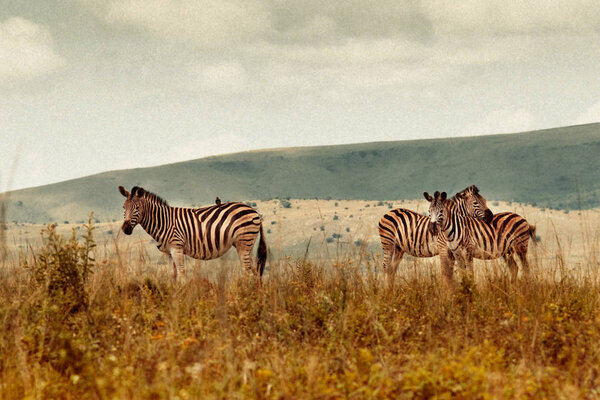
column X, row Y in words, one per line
column 532, row 234
column 262, row 252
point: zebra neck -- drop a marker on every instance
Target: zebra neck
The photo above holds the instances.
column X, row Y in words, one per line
column 157, row 220
column 456, row 206
column 446, row 224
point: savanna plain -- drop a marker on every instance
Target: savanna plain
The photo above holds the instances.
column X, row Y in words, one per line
column 87, row 312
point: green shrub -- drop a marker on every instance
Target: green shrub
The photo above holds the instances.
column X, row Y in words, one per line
column 285, row 203
column 63, row 265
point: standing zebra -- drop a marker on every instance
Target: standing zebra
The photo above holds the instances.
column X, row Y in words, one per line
column 405, row 231
column 202, row 233
column 466, row 238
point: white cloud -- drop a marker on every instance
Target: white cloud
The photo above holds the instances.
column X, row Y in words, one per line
column 334, row 49
column 225, row 77
column 505, row 120
column 512, row 18
column 591, row 115
column 209, row 23
column 26, row 50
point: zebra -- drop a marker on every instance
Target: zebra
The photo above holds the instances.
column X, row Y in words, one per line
column 466, row 238
column 202, row 233
column 405, row 231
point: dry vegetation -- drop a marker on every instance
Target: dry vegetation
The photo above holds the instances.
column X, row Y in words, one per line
column 85, row 321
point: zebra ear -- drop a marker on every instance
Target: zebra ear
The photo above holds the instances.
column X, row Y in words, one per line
column 475, row 189
column 427, row 197
column 443, row 196
column 138, row 191
column 123, row 191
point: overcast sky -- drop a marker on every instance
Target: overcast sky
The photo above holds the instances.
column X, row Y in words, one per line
column 93, row 85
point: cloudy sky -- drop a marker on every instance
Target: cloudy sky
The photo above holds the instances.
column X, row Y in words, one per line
column 93, row 85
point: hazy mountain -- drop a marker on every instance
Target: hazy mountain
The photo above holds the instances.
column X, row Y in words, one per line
column 558, row 168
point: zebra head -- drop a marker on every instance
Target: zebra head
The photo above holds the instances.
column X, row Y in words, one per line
column 474, row 204
column 133, row 208
column 436, row 209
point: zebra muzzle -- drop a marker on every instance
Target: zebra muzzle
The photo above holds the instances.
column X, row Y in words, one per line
column 127, row 228
column 432, row 228
column 488, row 216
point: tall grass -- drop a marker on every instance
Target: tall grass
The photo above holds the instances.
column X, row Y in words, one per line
column 79, row 321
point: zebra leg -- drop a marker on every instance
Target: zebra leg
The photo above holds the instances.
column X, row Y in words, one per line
column 396, row 258
column 522, row 253
column 512, row 266
column 388, row 255
column 244, row 251
column 469, row 264
column 447, row 262
column 391, row 259
column 461, row 257
column 177, row 259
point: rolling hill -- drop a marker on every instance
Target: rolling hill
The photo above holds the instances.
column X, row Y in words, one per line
column 556, row 168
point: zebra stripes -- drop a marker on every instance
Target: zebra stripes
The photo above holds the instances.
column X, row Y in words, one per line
column 466, row 238
column 405, row 231
column 202, row 233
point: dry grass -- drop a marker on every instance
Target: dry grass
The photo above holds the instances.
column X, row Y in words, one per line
column 325, row 328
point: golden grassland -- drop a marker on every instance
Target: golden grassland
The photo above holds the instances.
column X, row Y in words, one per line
column 97, row 316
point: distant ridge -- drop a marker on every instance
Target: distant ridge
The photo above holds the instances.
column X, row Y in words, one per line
column 557, row 168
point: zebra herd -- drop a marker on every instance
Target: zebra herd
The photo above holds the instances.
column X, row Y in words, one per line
column 458, row 229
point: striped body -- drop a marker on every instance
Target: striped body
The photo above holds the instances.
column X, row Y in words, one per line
column 202, row 233
column 405, row 231
column 485, row 241
column 465, row 238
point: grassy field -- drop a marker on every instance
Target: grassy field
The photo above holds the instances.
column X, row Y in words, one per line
column 326, row 325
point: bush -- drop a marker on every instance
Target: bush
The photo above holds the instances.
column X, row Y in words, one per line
column 285, row 203
column 63, row 265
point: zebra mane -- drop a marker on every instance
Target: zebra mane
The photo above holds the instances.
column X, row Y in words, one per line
column 454, row 198
column 148, row 195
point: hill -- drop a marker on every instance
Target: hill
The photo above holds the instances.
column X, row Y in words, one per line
column 556, row 168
